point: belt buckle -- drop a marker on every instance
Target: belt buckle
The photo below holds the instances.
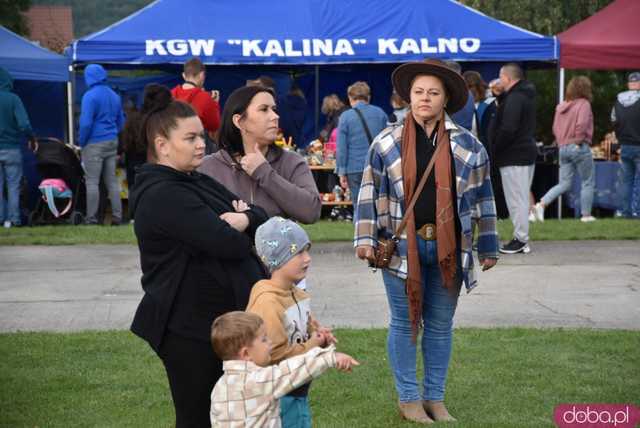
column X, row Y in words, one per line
column 427, row 232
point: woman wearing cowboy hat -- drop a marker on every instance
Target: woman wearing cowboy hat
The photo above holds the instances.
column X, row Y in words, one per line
column 433, row 257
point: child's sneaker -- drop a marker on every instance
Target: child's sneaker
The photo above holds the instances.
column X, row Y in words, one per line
column 532, row 217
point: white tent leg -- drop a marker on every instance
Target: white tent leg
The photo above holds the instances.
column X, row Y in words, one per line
column 70, row 126
column 317, row 109
column 560, row 99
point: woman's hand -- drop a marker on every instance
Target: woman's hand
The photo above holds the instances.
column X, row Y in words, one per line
column 238, row 221
column 365, row 252
column 251, row 161
column 240, row 206
column 488, row 263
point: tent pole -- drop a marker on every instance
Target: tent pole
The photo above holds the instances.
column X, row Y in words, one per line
column 317, row 112
column 560, row 99
column 70, row 87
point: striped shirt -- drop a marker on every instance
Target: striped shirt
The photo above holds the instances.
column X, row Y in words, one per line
column 381, row 201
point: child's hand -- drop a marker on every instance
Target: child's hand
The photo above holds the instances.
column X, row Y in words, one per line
column 324, row 331
column 344, row 362
column 328, row 335
column 318, row 339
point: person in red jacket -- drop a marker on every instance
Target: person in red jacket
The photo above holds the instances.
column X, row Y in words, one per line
column 204, row 103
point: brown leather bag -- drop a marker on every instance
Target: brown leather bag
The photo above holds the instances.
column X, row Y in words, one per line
column 387, row 247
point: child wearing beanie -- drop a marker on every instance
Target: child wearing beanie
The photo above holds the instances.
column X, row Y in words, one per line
column 283, row 246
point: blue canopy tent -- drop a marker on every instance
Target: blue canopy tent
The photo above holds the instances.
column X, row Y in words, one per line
column 40, row 79
column 345, row 41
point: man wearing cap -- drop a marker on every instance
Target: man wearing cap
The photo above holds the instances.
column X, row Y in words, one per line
column 626, row 118
column 515, row 152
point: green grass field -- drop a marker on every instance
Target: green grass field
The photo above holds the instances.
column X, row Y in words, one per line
column 498, row 378
column 323, row 231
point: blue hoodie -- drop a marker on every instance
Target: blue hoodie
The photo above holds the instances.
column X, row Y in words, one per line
column 14, row 122
column 101, row 117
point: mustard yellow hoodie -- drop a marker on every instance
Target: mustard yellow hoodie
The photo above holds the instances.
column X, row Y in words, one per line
column 286, row 312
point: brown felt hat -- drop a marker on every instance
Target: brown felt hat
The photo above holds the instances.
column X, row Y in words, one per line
column 457, row 91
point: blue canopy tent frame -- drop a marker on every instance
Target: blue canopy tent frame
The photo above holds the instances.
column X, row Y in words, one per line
column 311, row 36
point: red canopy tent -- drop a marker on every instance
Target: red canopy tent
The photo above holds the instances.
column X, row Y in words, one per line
column 607, row 40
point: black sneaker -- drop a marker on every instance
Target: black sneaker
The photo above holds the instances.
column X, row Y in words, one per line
column 515, row 247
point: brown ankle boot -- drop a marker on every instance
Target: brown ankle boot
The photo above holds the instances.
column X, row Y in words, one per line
column 413, row 411
column 438, row 411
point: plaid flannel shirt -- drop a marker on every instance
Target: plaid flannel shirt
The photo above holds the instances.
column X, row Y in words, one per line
column 249, row 396
column 380, row 205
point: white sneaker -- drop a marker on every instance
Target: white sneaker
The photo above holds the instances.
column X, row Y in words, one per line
column 7, row 224
column 538, row 212
column 587, row 219
column 532, row 217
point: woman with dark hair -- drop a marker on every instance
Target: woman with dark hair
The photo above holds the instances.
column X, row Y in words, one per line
column 433, row 258
column 135, row 149
column 196, row 253
column 252, row 167
column 573, row 129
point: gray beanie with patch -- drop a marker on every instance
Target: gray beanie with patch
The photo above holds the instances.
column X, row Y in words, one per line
column 278, row 240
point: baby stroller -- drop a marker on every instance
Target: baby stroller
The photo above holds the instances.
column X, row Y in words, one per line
column 62, row 186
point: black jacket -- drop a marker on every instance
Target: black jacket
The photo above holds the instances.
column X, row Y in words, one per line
column 514, row 136
column 627, row 115
column 195, row 266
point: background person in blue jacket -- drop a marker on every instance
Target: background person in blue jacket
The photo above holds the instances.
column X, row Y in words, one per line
column 353, row 141
column 101, row 118
column 14, row 126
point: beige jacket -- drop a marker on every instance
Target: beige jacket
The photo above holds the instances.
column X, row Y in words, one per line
column 282, row 186
column 248, row 396
column 286, row 312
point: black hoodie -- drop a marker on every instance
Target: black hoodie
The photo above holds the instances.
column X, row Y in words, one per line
column 514, row 137
column 195, row 266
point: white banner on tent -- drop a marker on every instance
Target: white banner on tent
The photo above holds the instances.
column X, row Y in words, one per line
column 312, row 47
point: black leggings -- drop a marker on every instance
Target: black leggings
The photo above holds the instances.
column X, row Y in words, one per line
column 193, row 369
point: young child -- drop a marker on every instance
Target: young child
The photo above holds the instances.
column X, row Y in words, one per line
column 247, row 393
column 283, row 247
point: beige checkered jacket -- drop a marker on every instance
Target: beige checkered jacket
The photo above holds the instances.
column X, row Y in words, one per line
column 249, row 396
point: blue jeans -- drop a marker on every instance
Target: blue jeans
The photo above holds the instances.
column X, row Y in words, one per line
column 630, row 159
column 295, row 412
column 574, row 158
column 354, row 181
column 11, row 174
column 438, row 308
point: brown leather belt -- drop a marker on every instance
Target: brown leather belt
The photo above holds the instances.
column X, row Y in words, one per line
column 427, row 232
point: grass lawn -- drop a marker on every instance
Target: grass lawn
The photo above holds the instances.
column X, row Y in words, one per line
column 323, row 231
column 498, row 378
